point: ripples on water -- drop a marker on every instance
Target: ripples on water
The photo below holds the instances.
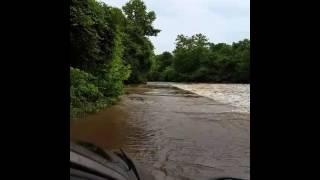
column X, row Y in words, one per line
column 176, row 134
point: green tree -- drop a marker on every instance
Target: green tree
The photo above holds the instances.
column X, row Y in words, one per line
column 242, row 57
column 92, row 34
column 159, row 64
column 164, row 60
column 189, row 54
column 138, row 50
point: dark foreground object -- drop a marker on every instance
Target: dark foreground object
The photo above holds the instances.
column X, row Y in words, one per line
column 90, row 162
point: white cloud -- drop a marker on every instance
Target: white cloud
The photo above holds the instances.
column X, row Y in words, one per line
column 220, row 20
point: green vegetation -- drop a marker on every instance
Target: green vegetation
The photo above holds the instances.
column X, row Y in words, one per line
column 108, row 47
column 197, row 60
column 138, row 49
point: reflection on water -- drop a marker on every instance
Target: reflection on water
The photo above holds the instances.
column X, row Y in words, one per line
column 107, row 128
column 175, row 134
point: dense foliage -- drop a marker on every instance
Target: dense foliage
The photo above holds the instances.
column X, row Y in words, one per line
column 138, row 50
column 195, row 59
column 107, row 46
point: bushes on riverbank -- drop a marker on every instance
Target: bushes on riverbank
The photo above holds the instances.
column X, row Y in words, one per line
column 108, row 47
column 86, row 93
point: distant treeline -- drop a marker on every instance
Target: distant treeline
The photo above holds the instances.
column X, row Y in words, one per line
column 194, row 59
column 109, row 46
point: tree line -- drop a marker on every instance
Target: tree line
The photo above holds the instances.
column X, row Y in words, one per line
column 108, row 47
column 195, row 59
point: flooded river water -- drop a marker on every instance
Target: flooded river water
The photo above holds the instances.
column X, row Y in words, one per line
column 174, row 133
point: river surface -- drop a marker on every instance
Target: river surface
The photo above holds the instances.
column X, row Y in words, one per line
column 174, row 133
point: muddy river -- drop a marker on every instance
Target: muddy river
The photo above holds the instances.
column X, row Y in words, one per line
column 174, row 133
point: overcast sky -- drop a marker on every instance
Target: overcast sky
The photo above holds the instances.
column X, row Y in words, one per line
column 220, row 20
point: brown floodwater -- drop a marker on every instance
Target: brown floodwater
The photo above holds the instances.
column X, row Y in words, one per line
column 175, row 134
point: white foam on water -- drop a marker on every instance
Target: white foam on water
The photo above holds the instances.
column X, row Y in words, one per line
column 237, row 95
